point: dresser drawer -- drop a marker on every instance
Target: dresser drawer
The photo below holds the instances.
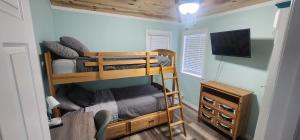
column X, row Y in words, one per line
column 207, row 109
column 225, row 127
column 225, row 117
column 206, row 98
column 207, row 117
column 227, row 107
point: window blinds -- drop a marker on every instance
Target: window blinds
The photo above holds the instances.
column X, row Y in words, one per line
column 194, row 53
column 159, row 42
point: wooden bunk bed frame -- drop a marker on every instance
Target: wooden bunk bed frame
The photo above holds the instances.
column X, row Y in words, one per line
column 120, row 128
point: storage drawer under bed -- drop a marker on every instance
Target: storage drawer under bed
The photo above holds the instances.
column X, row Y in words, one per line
column 116, row 130
column 144, row 122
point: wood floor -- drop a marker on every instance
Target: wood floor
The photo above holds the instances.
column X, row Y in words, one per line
column 195, row 130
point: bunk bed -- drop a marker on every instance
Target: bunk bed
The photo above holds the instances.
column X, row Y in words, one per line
column 115, row 65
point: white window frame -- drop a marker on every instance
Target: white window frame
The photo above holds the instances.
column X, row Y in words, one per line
column 151, row 32
column 183, row 48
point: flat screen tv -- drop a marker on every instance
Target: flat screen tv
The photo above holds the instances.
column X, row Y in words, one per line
column 231, row 43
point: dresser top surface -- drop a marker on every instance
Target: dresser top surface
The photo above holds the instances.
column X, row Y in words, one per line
column 227, row 88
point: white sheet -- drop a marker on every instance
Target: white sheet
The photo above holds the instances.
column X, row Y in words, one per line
column 62, row 66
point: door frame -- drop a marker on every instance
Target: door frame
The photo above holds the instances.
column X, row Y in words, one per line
column 39, row 94
column 280, row 108
column 37, row 78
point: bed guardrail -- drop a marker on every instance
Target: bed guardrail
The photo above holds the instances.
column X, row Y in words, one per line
column 146, row 58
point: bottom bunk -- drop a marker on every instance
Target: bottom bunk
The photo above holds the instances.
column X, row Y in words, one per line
column 133, row 108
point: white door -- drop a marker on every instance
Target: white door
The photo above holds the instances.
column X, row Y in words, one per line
column 22, row 105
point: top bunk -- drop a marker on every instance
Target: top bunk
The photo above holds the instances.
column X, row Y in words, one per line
column 108, row 65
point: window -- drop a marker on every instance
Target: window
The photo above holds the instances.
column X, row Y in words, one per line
column 194, row 52
column 156, row 39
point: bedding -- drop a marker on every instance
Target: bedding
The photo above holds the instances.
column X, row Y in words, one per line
column 74, row 44
column 138, row 100
column 65, row 102
column 128, row 102
column 104, row 100
column 60, row 50
column 61, row 66
column 80, row 96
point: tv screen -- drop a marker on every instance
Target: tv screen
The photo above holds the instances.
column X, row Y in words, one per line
column 231, row 43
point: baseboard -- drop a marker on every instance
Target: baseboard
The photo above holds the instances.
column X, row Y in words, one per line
column 189, row 105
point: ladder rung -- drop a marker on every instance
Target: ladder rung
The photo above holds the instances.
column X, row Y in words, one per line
column 174, row 107
column 169, row 78
column 172, row 93
column 176, row 123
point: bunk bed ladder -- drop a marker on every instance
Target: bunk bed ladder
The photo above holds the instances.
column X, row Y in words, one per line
column 170, row 109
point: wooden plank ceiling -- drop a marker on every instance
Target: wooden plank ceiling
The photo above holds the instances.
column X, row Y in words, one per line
column 156, row 9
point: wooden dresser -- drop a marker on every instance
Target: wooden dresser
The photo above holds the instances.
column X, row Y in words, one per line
column 224, row 107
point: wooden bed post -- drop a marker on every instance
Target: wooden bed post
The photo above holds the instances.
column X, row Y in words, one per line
column 48, row 62
column 100, row 61
column 147, row 63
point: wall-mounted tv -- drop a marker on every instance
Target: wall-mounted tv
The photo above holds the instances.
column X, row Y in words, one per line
column 231, row 43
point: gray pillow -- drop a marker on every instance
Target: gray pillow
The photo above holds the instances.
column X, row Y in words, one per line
column 74, row 44
column 65, row 103
column 60, row 50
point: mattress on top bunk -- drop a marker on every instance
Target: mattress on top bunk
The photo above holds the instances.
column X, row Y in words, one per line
column 62, row 66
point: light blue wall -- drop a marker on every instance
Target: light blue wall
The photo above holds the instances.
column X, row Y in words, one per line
column 42, row 21
column 108, row 33
column 248, row 73
column 43, row 29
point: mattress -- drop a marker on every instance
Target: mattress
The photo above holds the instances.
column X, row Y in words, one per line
column 62, row 66
column 128, row 102
column 137, row 101
column 124, row 103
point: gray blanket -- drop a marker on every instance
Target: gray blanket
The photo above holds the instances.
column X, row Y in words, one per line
column 138, row 100
column 129, row 102
column 104, row 100
column 80, row 67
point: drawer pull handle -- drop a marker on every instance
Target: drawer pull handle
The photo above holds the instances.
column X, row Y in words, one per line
column 226, row 118
column 208, row 109
column 227, row 108
column 208, row 100
column 207, row 117
column 225, row 127
column 151, row 123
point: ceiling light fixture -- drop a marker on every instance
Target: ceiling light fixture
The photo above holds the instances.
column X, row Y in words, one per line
column 188, row 6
